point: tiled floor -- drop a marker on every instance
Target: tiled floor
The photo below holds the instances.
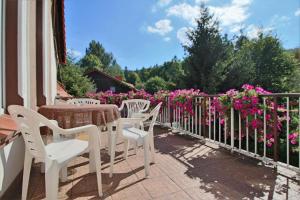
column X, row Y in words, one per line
column 184, row 169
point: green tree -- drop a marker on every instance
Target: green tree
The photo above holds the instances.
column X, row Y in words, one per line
column 133, row 78
column 115, row 70
column 91, row 61
column 95, row 48
column 273, row 65
column 155, row 84
column 71, row 76
column 207, row 48
column 238, row 67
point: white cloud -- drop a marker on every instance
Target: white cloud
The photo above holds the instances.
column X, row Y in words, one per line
column 74, row 53
column 201, row 1
column 160, row 4
column 236, row 28
column 232, row 14
column 277, row 20
column 167, row 39
column 163, row 3
column 241, row 2
column 182, row 35
column 161, row 27
column 297, row 12
column 184, row 11
column 253, row 31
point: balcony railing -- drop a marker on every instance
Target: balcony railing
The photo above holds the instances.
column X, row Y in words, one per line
column 232, row 131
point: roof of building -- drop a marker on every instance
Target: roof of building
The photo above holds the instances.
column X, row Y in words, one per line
column 128, row 85
column 61, row 91
column 60, row 30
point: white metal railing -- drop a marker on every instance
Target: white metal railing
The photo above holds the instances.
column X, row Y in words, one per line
column 232, row 130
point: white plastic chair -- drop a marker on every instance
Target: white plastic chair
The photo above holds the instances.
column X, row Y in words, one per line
column 140, row 136
column 135, row 109
column 55, row 155
column 135, row 106
column 81, row 101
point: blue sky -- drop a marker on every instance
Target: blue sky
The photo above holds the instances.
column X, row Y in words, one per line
column 147, row 32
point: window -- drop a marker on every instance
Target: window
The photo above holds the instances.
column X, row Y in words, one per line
column 112, row 88
column 2, row 86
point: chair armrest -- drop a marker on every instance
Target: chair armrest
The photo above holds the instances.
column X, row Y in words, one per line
column 90, row 129
column 131, row 120
column 121, row 107
column 139, row 115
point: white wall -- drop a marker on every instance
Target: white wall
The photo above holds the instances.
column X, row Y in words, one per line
column 11, row 163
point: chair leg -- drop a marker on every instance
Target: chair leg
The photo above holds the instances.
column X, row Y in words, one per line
column 51, row 180
column 151, row 138
column 98, row 171
column 126, row 148
column 64, row 173
column 135, row 148
column 26, row 174
column 112, row 152
column 109, row 143
column 146, row 155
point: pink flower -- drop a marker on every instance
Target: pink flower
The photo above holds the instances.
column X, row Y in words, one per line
column 260, row 90
column 293, row 138
column 256, row 123
column 254, row 101
column 248, row 87
column 232, row 93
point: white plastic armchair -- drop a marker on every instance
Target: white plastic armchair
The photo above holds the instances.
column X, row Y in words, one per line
column 140, row 136
column 55, row 155
column 135, row 106
column 81, row 101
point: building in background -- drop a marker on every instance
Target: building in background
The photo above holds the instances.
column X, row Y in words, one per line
column 106, row 82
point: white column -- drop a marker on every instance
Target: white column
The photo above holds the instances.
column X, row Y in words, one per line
column 27, row 52
column 46, row 49
column 23, row 51
column 49, row 56
column 53, row 69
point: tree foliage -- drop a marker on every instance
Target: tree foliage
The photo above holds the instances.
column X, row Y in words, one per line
column 91, row 61
column 71, row 76
column 207, row 48
column 155, row 84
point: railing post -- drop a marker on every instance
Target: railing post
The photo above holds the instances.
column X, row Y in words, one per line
column 170, row 111
column 275, row 131
column 232, row 128
column 204, row 117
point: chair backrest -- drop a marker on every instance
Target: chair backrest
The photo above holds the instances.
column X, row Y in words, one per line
column 135, row 106
column 83, row 101
column 153, row 115
column 29, row 123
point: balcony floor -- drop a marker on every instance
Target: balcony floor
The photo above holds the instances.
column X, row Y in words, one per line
column 185, row 169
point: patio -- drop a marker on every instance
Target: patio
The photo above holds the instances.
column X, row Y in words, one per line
column 185, row 169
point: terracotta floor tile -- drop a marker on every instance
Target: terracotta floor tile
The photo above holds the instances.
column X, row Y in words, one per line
column 181, row 195
column 185, row 168
column 160, row 186
column 130, row 192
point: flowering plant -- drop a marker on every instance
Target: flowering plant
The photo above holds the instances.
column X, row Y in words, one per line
column 184, row 100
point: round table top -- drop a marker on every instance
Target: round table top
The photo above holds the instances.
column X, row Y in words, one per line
column 69, row 116
column 79, row 107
